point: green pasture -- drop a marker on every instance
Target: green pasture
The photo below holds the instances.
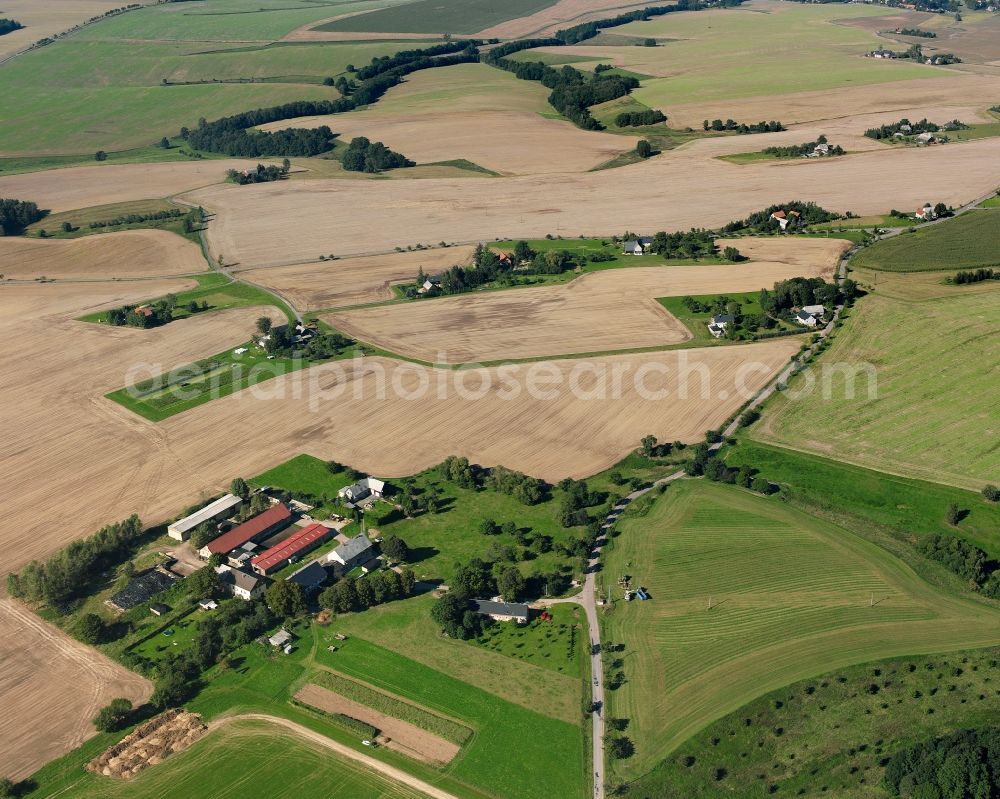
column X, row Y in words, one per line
column 240, row 753
column 922, row 402
column 550, row 762
column 555, row 644
column 869, row 500
column 80, row 219
column 243, row 21
column 304, row 474
column 749, row 595
column 968, row 241
column 438, row 16
column 735, row 53
column 829, row 735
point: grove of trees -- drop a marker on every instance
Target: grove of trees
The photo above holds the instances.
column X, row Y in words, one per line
column 367, row 156
column 963, row 764
column 16, row 215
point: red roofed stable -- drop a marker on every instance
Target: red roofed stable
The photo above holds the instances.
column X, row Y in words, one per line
column 277, row 556
column 270, row 521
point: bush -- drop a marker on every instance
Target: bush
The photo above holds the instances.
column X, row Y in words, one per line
column 621, row 747
column 114, row 716
column 991, row 493
column 90, row 628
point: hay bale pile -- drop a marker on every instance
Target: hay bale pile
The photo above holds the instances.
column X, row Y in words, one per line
column 148, row 744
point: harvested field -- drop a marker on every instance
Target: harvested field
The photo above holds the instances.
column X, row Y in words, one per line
column 87, row 186
column 478, row 113
column 129, row 254
column 353, row 281
column 56, row 415
column 149, row 744
column 279, row 222
column 975, row 41
column 603, row 311
column 402, row 736
column 51, row 687
column 45, row 19
column 562, row 14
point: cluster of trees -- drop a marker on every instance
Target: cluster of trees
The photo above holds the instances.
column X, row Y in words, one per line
column 349, row 595
column 636, row 119
column 799, row 150
column 9, row 25
column 761, row 221
column 914, row 128
column 159, row 313
column 525, row 489
column 262, row 174
column 695, row 243
column 991, row 493
column 573, row 92
column 962, row 558
column 916, row 32
column 476, row 579
column 487, row 268
column 230, row 135
column 195, row 215
column 367, row 156
column 65, row 575
column 743, row 127
column 578, row 497
column 705, row 461
column 16, row 215
column 588, row 30
column 963, row 764
column 280, row 342
column 976, row 276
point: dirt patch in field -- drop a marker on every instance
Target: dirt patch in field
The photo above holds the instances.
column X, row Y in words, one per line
column 149, row 744
column 128, row 254
column 603, row 311
column 353, row 281
column 478, row 113
column 51, row 687
column 86, row 186
column 396, row 734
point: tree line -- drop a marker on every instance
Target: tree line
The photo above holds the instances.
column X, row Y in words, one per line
column 16, row 215
column 799, row 150
column 262, row 174
column 9, row 25
column 588, row 30
column 382, row 64
column 367, row 156
column 913, row 128
column 636, row 119
column 743, row 127
column 976, row 276
column 230, row 135
column 916, row 32
column 352, row 595
column 67, row 574
column 572, row 92
column 527, row 490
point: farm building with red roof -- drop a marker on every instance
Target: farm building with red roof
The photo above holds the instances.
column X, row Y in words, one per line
column 261, row 525
column 296, row 544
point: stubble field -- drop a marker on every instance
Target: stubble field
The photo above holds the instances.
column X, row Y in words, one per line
column 598, row 312
column 353, row 281
column 281, row 222
column 46, row 19
column 51, row 687
column 129, row 254
column 792, row 596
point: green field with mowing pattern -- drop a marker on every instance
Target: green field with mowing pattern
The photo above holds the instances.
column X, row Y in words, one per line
column 791, row 597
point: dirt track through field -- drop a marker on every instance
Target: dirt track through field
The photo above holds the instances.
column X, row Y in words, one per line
column 128, row 254
column 615, row 309
column 353, row 281
column 279, row 222
column 404, row 737
column 50, row 688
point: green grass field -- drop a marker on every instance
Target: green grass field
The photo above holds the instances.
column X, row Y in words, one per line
column 438, row 16
column 555, row 644
column 80, row 220
column 866, row 500
column 932, row 414
column 244, row 753
column 791, row 598
column 789, row 49
column 966, row 242
column 828, row 735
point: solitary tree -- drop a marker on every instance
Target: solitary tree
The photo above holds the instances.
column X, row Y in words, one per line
column 621, row 747
column 488, row 527
column 100, row 155
column 991, row 493
column 953, row 514
column 113, row 716
column 648, row 445
column 643, row 149
column 239, row 488
column 264, row 325
column 165, row 143
column 286, row 599
column 90, row 628
column 650, row 42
